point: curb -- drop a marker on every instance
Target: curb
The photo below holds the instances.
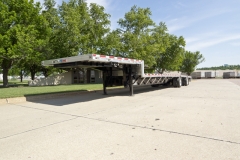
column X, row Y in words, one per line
column 42, row 97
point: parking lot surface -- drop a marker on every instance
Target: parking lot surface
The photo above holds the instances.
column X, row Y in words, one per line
column 200, row 121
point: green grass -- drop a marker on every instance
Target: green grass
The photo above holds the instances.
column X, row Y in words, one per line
column 16, row 82
column 18, row 89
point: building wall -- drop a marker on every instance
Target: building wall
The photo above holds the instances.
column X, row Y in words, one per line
column 98, row 77
column 218, row 73
column 64, row 78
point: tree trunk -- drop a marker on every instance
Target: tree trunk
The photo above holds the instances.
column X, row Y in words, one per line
column 21, row 75
column 6, row 65
column 45, row 72
column 33, row 75
column 33, row 70
column 5, row 77
column 162, row 71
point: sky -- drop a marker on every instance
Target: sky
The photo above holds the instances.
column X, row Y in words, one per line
column 209, row 26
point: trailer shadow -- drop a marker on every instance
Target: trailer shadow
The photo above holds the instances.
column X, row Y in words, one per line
column 137, row 90
column 91, row 96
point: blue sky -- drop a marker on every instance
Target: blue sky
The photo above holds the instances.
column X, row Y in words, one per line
column 209, row 26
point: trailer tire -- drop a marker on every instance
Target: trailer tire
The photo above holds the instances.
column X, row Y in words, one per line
column 169, row 83
column 185, row 81
column 174, row 82
column 179, row 82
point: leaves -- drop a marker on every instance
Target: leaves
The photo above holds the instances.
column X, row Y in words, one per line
column 22, row 30
column 135, row 35
column 169, row 57
column 190, row 61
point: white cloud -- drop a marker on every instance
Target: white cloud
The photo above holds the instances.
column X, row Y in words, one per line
column 235, row 44
column 204, row 43
column 173, row 28
column 186, row 21
column 191, row 39
column 41, row 1
column 174, row 25
column 104, row 3
column 179, row 5
column 202, row 36
column 58, row 2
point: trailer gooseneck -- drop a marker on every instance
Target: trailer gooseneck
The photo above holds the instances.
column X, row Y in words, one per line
column 118, row 71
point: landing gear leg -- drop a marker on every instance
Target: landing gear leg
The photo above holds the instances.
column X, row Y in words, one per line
column 104, row 83
column 130, row 81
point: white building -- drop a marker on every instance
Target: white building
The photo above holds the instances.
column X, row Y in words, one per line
column 71, row 77
column 216, row 73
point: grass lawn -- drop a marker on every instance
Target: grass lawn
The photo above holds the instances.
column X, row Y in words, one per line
column 18, row 89
column 16, row 82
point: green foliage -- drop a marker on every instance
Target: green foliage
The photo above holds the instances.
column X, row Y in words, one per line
column 53, row 21
column 190, row 61
column 160, row 38
column 112, row 43
column 100, row 24
column 135, row 35
column 82, row 29
column 22, row 30
column 172, row 56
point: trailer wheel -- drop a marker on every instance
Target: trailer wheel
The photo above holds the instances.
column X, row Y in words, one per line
column 174, row 82
column 179, row 82
column 168, row 83
column 185, row 81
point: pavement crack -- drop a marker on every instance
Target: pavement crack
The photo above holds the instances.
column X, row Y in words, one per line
column 118, row 123
column 167, row 131
column 34, row 129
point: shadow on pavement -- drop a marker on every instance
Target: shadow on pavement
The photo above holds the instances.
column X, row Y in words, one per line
column 78, row 97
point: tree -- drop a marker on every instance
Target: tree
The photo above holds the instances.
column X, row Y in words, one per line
column 33, row 45
column 82, row 28
column 171, row 58
column 21, row 26
column 100, row 24
column 135, row 35
column 112, row 44
column 65, row 39
column 50, row 13
column 190, row 61
column 160, row 38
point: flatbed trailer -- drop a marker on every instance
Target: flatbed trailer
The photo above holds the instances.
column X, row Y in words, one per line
column 118, row 71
